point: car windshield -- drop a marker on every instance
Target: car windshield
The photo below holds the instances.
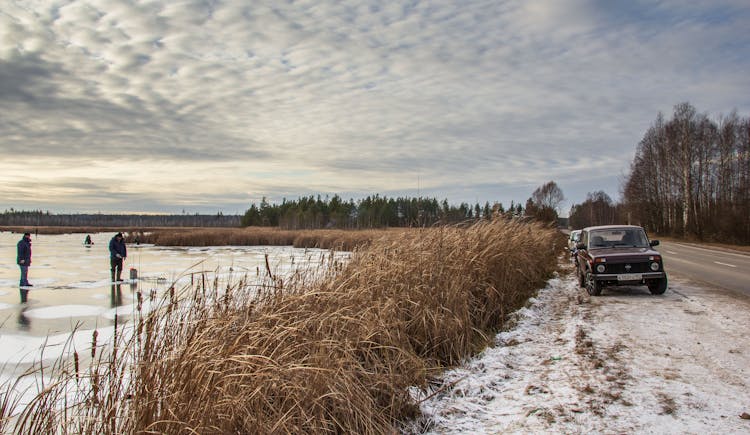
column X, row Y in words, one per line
column 618, row 237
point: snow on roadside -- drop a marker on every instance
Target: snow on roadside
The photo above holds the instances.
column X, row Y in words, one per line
column 520, row 383
column 625, row 362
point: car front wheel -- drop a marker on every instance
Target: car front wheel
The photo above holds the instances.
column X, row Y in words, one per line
column 658, row 286
column 593, row 287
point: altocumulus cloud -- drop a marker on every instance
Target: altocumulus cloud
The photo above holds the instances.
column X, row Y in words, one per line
column 208, row 105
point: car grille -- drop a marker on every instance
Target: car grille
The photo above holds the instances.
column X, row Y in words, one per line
column 634, row 268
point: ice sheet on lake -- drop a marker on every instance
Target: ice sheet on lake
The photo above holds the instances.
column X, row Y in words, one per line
column 25, row 349
column 72, row 285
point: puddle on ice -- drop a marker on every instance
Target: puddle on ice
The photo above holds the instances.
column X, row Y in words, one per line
column 72, row 288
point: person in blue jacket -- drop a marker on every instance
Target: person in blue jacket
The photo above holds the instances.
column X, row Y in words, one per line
column 117, row 253
column 23, row 258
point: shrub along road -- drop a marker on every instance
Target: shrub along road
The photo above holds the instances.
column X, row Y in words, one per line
column 624, row 362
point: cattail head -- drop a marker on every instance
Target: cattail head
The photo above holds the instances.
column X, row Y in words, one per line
column 94, row 335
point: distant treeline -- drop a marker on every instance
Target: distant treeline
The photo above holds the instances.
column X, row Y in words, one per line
column 598, row 209
column 40, row 219
column 371, row 212
column 690, row 178
column 304, row 213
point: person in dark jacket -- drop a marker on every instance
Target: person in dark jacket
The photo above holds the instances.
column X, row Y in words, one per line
column 117, row 253
column 23, row 258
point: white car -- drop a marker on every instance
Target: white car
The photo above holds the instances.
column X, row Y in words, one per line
column 575, row 235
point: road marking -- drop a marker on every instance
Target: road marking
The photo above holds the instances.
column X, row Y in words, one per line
column 722, row 251
column 671, row 252
column 725, row 264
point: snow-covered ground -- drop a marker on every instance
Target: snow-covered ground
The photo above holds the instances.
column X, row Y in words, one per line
column 624, row 362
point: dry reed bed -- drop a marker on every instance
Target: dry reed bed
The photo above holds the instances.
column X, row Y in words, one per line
column 336, row 356
column 344, row 240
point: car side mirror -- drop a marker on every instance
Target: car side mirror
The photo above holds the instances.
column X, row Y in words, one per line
column 580, row 245
column 654, row 243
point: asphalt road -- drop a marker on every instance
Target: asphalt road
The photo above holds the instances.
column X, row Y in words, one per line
column 729, row 270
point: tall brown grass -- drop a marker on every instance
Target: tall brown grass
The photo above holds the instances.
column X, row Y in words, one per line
column 344, row 240
column 335, row 355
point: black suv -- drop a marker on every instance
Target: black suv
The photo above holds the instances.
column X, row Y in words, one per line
column 619, row 255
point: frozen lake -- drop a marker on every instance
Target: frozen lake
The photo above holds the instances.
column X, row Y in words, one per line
column 72, row 287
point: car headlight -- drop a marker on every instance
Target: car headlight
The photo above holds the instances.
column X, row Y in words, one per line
column 600, row 268
column 654, row 266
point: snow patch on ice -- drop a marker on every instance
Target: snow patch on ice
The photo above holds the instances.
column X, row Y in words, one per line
column 88, row 284
column 41, row 282
column 128, row 310
column 64, row 311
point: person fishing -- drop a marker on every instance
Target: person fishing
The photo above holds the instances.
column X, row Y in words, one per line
column 117, row 253
column 23, row 258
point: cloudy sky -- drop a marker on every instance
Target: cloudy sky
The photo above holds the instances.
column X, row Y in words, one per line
column 209, row 105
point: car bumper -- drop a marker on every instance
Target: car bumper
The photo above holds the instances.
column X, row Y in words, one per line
column 613, row 277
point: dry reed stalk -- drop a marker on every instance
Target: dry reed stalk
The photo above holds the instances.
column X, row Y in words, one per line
column 336, row 355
